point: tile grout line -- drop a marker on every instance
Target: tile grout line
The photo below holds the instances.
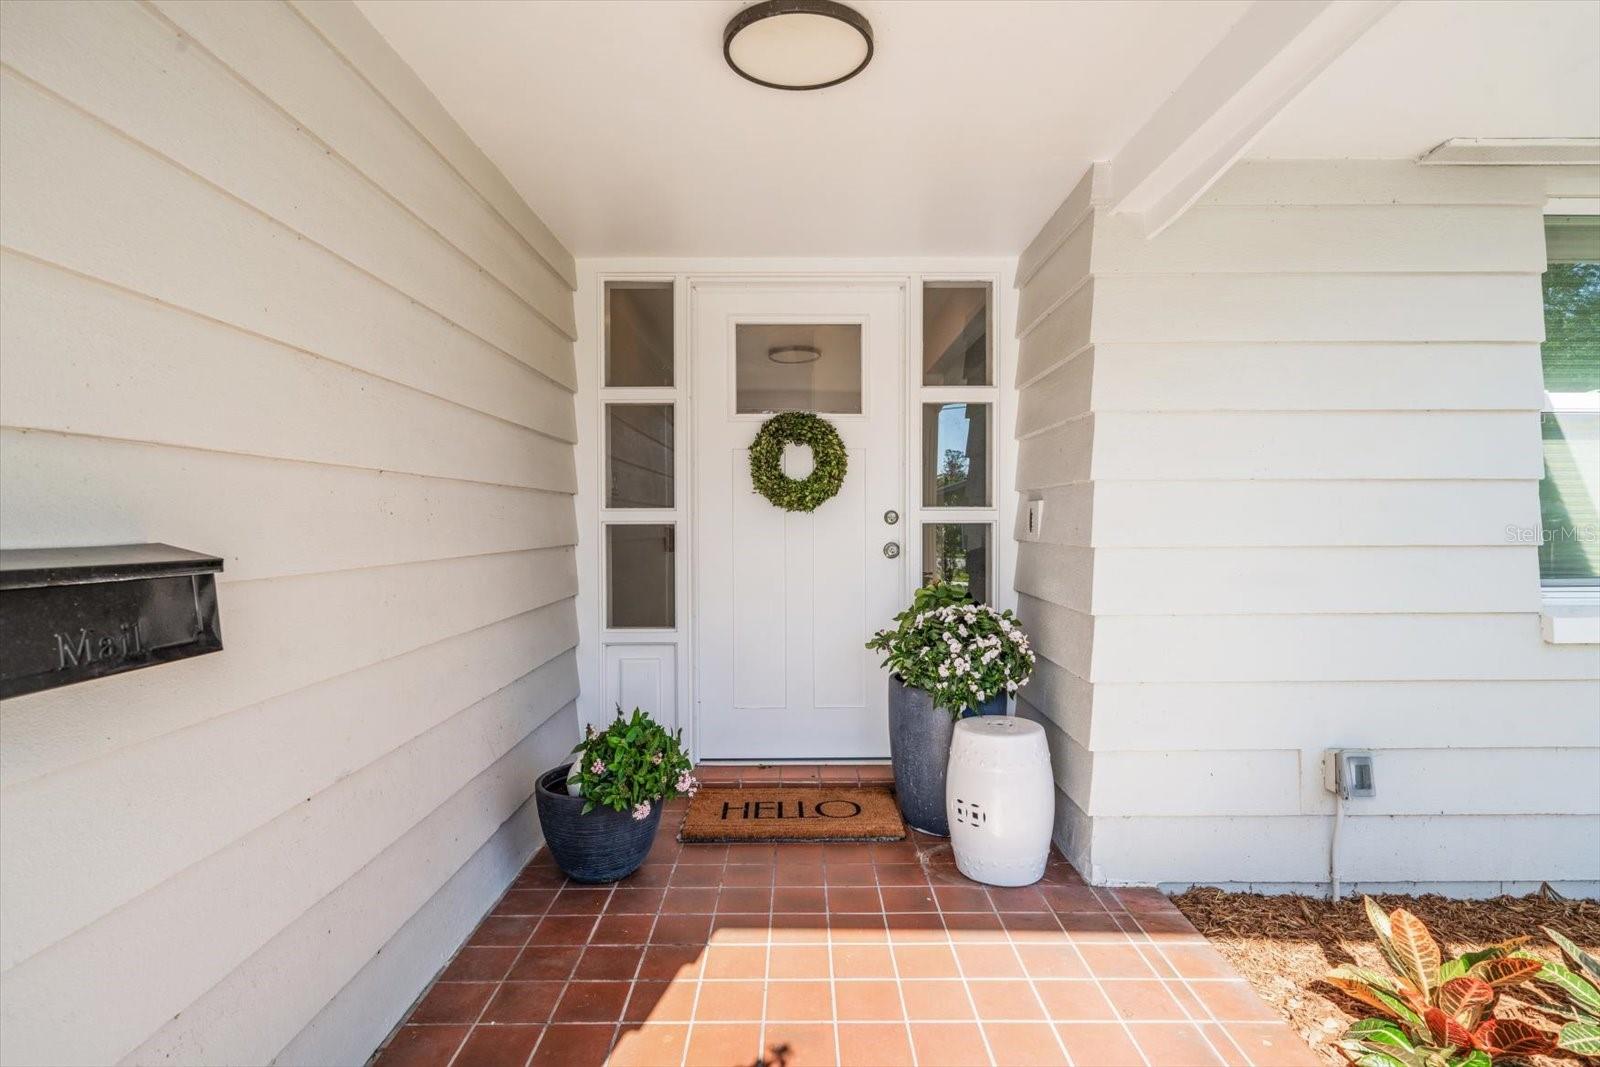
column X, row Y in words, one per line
column 633, row 985
column 1033, row 986
column 545, row 1029
column 899, row 983
column 1204, row 1036
column 961, row 973
column 1127, row 1031
column 495, row 992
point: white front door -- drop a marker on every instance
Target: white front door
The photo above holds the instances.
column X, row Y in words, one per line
column 785, row 600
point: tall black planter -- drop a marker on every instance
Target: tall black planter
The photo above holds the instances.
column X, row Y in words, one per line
column 919, row 747
column 603, row 845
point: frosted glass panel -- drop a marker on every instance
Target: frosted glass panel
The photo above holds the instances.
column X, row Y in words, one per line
column 798, row 367
column 639, row 455
column 955, row 455
column 639, row 333
column 955, row 333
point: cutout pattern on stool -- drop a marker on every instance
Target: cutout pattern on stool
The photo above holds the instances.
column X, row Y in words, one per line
column 970, row 813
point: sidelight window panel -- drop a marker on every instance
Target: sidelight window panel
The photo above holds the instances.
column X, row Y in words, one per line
column 639, row 334
column 958, row 553
column 639, row 456
column 956, row 334
column 955, row 455
column 641, row 567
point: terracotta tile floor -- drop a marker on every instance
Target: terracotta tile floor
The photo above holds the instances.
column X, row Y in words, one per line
column 800, row 954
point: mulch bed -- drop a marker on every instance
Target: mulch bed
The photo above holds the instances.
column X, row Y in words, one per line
column 1283, row 945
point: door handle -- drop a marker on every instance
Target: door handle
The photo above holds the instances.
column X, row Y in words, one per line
column 891, row 549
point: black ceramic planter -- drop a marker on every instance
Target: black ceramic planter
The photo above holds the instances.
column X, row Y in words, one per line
column 603, row 845
column 919, row 748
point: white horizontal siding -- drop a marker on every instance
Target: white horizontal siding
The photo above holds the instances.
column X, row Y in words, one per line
column 323, row 519
column 1328, row 239
column 77, row 195
column 156, row 829
column 1280, row 850
column 1347, row 307
column 1312, row 513
column 374, row 965
column 1312, row 446
column 1316, row 377
column 1054, row 573
column 281, row 635
column 1178, row 783
column 1324, row 580
column 1313, row 440
column 262, row 299
column 327, row 91
column 1300, row 648
column 1311, row 715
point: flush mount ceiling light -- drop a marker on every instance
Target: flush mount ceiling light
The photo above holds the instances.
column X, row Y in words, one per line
column 797, row 44
column 794, row 353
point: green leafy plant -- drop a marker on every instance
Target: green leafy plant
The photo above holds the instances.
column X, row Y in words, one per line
column 828, row 454
column 631, row 765
column 1572, row 992
column 962, row 653
column 1438, row 1012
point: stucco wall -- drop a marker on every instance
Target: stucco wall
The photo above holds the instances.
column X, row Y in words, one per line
column 1312, row 417
column 263, row 299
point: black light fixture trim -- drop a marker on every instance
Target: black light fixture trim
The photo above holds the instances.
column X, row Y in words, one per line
column 771, row 8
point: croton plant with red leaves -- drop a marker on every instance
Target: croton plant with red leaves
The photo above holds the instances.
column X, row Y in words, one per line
column 1438, row 1012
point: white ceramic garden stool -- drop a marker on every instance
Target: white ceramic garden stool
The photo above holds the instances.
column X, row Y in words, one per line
column 1000, row 797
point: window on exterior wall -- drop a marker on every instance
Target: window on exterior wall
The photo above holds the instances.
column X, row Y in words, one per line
column 1569, row 494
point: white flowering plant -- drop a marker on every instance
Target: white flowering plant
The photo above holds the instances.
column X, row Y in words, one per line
column 632, row 765
column 963, row 653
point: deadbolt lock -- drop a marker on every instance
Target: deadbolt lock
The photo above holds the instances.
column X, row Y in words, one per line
column 891, row 517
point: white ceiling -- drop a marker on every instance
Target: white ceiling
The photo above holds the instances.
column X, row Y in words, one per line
column 1431, row 71
column 620, row 124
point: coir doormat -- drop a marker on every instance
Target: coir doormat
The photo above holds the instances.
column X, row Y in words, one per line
column 802, row 813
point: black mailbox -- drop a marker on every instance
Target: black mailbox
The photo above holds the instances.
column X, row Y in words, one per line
column 71, row 614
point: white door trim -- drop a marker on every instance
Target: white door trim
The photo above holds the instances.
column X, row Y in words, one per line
column 678, row 643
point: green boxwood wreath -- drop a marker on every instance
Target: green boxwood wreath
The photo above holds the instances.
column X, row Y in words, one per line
column 766, row 460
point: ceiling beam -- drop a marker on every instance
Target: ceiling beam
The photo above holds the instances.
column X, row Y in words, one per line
column 1514, row 152
column 1273, row 52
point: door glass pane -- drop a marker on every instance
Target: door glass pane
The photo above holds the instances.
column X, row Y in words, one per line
column 955, row 455
column 955, row 333
column 798, row 367
column 1569, row 499
column 639, row 455
column 958, row 553
column 638, row 333
column 640, row 591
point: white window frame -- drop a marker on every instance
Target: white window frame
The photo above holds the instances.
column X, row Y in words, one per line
column 918, row 513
